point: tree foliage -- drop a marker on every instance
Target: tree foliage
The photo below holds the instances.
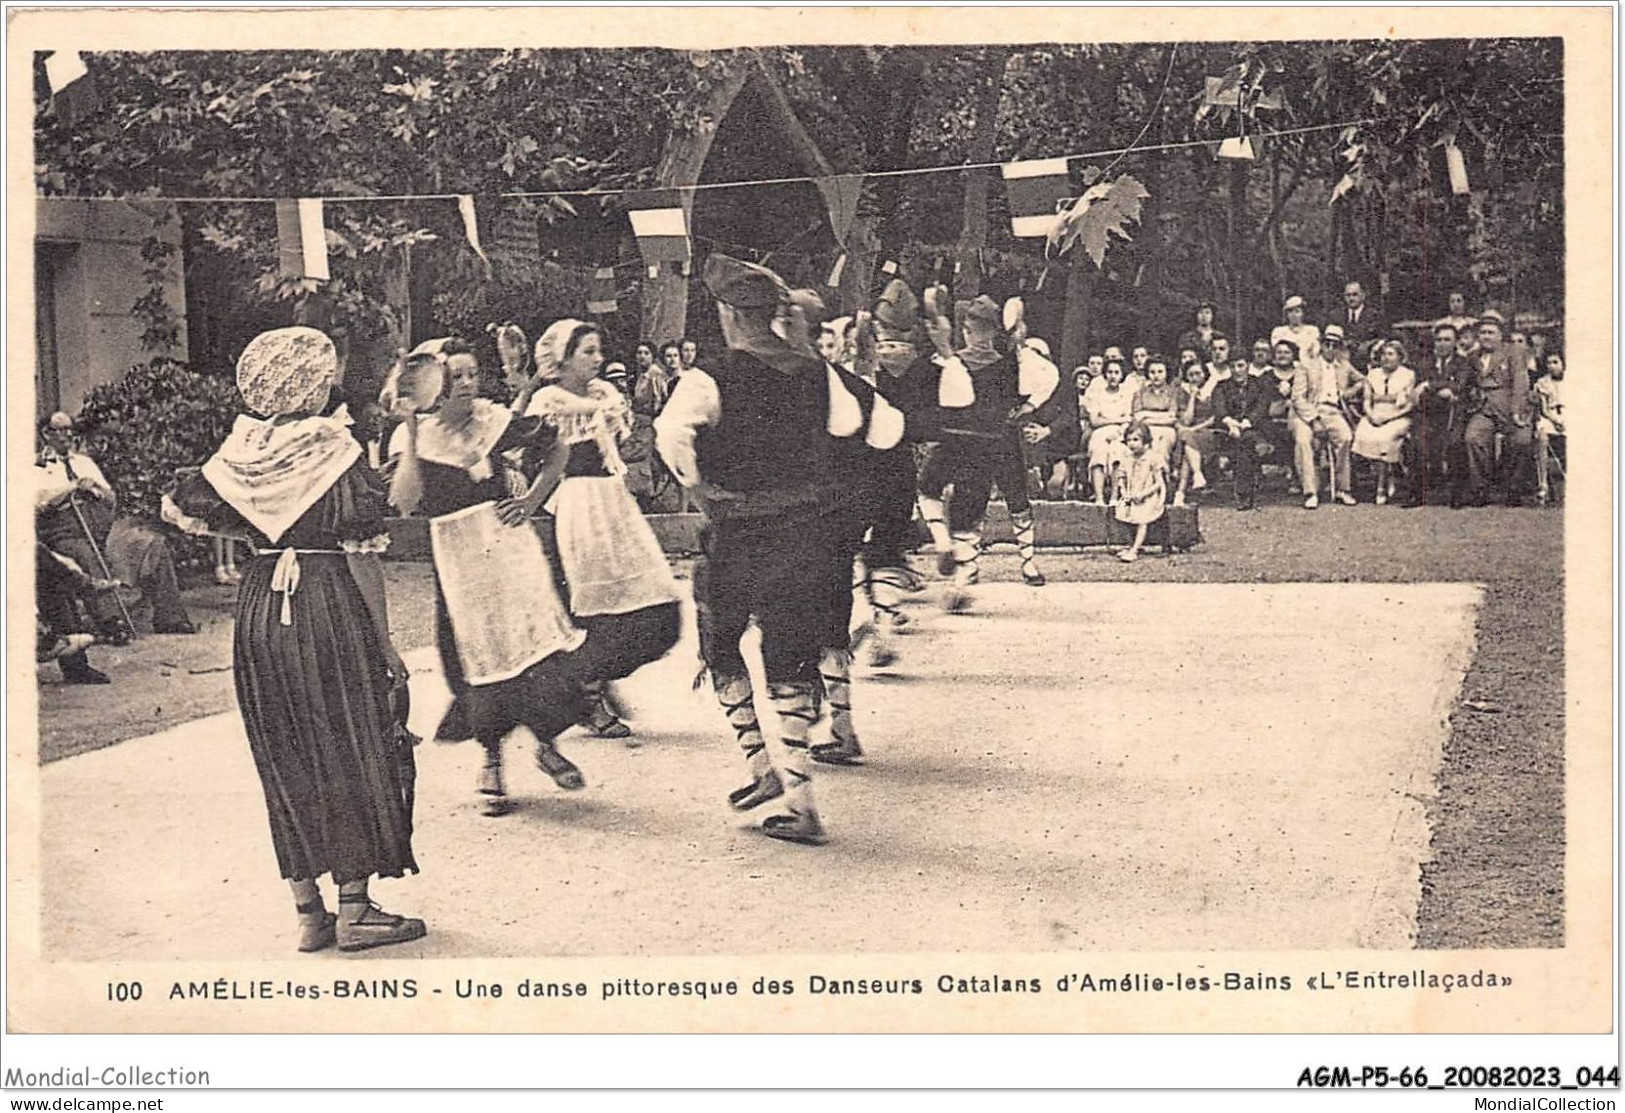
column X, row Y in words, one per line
column 1366, row 199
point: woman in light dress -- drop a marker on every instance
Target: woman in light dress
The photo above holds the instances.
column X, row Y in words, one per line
column 1389, row 397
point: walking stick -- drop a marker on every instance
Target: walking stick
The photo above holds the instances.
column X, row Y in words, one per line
column 107, row 573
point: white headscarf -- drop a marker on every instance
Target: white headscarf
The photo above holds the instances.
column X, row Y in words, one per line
column 551, row 344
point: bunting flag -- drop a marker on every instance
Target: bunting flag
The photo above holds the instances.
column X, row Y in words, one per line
column 841, row 194
column 836, row 271
column 471, row 227
column 302, row 238
column 1237, row 147
column 73, row 90
column 1456, row 166
column 1036, row 188
column 660, row 222
column 601, row 291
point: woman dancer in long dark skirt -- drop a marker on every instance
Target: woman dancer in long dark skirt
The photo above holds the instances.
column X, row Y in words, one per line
column 311, row 651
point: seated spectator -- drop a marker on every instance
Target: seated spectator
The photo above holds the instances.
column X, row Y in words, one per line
column 1187, row 357
column 1138, row 358
column 1549, row 426
column 58, row 582
column 1246, row 432
column 1434, row 448
column 1305, row 337
column 76, row 517
column 1109, row 405
column 1156, row 406
column 1196, row 436
column 1263, row 358
column 1500, row 405
column 1334, row 350
column 1317, row 392
column 1390, row 396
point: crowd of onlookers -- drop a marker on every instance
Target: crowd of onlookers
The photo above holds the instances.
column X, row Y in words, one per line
column 1481, row 409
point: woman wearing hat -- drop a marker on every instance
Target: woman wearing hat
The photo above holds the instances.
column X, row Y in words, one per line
column 1305, row 336
column 311, row 650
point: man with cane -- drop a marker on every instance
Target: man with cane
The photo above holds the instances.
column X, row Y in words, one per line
column 73, row 514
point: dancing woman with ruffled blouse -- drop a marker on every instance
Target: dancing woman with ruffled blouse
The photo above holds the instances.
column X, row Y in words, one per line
column 505, row 637
column 620, row 587
column 311, row 651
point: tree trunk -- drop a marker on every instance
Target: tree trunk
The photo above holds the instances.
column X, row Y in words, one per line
column 1080, row 284
column 973, row 231
column 1236, row 261
column 904, row 81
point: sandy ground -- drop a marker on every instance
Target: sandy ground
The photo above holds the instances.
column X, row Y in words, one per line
column 1493, row 875
column 1053, row 772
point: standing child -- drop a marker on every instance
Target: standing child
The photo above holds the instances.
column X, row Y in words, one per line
column 1548, row 422
column 1142, row 487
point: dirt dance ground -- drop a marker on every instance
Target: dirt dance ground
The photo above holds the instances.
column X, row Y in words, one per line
column 1315, row 730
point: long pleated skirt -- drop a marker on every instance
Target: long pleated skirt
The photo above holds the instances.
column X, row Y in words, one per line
column 315, row 700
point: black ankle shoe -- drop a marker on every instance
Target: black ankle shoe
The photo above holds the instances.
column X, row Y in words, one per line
column 764, row 788
column 85, row 675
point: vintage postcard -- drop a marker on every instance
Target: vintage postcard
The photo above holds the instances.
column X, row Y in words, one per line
column 810, row 520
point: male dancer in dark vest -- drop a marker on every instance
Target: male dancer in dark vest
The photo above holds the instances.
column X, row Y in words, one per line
column 979, row 444
column 871, row 462
column 751, row 436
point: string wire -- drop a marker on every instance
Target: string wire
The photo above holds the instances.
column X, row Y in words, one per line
column 360, row 198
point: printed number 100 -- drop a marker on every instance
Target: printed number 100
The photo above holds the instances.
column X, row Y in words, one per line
column 124, row 991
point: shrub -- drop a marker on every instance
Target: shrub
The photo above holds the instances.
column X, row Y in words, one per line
column 159, row 417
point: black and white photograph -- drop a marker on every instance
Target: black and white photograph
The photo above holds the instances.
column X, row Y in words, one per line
column 918, row 520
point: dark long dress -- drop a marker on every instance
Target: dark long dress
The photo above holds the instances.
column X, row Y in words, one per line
column 315, row 694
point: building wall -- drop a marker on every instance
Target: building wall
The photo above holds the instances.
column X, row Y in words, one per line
column 91, row 252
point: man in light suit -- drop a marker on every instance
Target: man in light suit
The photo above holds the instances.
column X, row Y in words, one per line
column 1318, row 389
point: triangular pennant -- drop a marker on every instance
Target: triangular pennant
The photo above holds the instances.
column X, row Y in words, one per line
column 601, row 291
column 1456, row 166
column 841, row 195
column 1035, row 189
column 63, row 68
column 660, row 223
column 1236, row 147
column 73, row 90
column 301, row 238
column 836, row 271
column 471, row 227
